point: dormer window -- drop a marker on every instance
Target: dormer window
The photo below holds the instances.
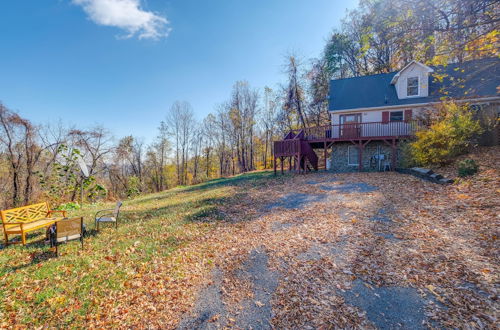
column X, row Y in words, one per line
column 412, row 81
column 412, row 86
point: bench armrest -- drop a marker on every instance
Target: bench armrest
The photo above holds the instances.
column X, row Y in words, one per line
column 57, row 211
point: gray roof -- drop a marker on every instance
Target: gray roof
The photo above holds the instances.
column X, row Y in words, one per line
column 471, row 79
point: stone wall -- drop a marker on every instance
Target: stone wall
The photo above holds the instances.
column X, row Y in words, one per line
column 339, row 156
column 488, row 116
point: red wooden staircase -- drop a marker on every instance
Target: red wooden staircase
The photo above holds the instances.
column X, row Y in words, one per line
column 295, row 147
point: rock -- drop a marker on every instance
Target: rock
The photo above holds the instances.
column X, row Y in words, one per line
column 426, row 174
column 436, row 176
column 422, row 171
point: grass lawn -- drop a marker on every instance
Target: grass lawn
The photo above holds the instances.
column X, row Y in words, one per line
column 38, row 289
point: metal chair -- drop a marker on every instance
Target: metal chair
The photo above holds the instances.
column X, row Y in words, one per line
column 109, row 215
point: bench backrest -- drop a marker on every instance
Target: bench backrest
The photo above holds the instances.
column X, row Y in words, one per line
column 25, row 214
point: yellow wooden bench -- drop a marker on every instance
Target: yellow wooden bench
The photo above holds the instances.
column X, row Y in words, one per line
column 22, row 220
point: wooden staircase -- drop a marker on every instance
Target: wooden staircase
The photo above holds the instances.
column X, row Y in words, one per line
column 298, row 149
column 309, row 157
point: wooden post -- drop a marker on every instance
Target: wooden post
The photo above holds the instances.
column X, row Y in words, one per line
column 299, row 158
column 394, row 155
column 281, row 162
column 361, row 147
column 274, row 164
column 324, row 153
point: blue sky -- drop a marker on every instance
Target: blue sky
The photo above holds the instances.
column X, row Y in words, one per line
column 122, row 63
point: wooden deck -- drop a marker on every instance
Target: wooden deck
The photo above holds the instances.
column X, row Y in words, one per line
column 298, row 145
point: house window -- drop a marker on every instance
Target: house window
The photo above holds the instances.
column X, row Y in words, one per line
column 396, row 116
column 412, row 86
column 352, row 156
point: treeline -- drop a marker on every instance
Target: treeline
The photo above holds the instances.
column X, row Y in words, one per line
column 39, row 162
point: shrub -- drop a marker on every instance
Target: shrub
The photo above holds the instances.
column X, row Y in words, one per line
column 467, row 167
column 134, row 186
column 70, row 206
column 450, row 133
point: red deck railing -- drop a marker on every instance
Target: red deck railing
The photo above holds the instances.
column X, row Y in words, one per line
column 286, row 147
column 373, row 130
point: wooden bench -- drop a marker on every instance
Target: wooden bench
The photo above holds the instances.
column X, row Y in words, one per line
column 22, row 220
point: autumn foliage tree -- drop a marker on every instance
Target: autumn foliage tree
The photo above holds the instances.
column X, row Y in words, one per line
column 451, row 131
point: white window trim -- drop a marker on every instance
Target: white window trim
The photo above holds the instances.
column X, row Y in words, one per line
column 349, row 156
column 418, row 87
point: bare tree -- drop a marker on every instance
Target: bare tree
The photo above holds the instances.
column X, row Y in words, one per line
column 294, row 100
column 180, row 122
column 268, row 122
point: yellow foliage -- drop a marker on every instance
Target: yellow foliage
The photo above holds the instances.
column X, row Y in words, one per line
column 449, row 134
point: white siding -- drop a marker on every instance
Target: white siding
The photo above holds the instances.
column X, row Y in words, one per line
column 413, row 70
column 375, row 116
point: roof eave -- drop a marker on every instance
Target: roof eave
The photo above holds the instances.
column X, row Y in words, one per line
column 414, row 105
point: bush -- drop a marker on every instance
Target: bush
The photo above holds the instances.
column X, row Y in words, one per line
column 467, row 167
column 70, row 206
column 134, row 186
column 450, row 133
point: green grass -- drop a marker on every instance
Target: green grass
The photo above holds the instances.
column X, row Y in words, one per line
column 38, row 289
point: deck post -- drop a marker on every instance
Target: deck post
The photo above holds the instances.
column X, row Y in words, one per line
column 394, row 155
column 360, row 156
column 324, row 153
column 281, row 162
column 274, row 164
column 299, row 158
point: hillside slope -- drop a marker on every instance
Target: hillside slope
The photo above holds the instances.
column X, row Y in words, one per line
column 316, row 250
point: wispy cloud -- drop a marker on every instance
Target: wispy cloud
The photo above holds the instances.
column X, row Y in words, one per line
column 126, row 15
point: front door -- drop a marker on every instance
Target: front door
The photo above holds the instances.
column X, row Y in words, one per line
column 350, row 126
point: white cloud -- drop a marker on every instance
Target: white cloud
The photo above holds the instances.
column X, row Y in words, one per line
column 126, row 15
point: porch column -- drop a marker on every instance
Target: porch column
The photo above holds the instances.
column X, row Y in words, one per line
column 274, row 164
column 281, row 162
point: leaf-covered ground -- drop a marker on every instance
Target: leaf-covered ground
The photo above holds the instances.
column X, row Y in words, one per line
column 299, row 251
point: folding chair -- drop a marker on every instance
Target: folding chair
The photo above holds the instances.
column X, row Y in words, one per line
column 67, row 230
column 109, row 215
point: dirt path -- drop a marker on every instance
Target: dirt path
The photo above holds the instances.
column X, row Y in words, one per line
column 340, row 251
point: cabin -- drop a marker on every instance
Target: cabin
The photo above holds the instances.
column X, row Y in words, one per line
column 372, row 115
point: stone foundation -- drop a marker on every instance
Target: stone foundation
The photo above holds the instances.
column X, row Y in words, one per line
column 339, row 157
